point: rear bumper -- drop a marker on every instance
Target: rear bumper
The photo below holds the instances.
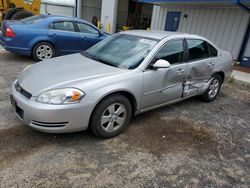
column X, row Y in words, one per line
column 51, row 118
column 6, row 44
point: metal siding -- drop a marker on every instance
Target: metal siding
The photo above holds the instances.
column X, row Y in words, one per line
column 247, row 50
column 204, row 22
column 241, row 33
column 223, row 26
column 234, row 31
column 194, row 21
column 199, row 22
column 65, row 10
column 91, row 8
column 58, row 10
column 219, row 17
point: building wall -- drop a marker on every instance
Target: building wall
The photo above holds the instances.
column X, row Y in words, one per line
column 122, row 13
column 91, row 8
column 247, row 50
column 225, row 27
column 65, row 10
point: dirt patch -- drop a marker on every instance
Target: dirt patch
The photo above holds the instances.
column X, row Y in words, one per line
column 237, row 92
column 171, row 135
column 18, row 142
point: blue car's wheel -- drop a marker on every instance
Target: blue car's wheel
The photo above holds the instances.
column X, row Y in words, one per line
column 43, row 51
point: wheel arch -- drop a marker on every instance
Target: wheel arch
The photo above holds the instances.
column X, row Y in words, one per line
column 125, row 93
column 221, row 74
column 41, row 41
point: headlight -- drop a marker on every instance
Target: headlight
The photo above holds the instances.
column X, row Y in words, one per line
column 61, row 96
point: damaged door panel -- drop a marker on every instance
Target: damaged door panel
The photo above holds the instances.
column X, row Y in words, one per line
column 200, row 67
column 165, row 85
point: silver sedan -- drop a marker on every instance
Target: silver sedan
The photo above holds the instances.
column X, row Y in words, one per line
column 124, row 75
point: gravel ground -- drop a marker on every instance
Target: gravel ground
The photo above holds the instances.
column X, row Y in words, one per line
column 189, row 144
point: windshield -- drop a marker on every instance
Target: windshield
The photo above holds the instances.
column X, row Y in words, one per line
column 32, row 19
column 121, row 50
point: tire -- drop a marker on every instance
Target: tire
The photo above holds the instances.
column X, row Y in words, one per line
column 43, row 51
column 213, row 89
column 21, row 14
column 111, row 116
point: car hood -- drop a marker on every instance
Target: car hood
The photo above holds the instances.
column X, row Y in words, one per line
column 67, row 71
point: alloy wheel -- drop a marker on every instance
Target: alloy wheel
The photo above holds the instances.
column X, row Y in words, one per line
column 44, row 52
column 214, row 88
column 113, row 117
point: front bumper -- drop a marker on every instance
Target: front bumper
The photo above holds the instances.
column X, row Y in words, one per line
column 51, row 118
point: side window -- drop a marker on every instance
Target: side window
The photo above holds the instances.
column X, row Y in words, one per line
column 64, row 26
column 213, row 51
column 172, row 52
column 84, row 28
column 198, row 49
column 51, row 26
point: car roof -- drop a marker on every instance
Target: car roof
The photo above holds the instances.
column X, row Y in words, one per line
column 159, row 35
column 55, row 17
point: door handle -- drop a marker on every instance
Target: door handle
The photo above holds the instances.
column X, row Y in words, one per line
column 211, row 64
column 180, row 71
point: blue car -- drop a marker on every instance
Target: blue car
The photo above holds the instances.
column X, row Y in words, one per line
column 46, row 36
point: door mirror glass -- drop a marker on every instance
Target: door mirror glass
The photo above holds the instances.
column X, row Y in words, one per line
column 161, row 64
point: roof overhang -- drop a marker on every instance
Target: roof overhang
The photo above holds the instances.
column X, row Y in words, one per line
column 197, row 2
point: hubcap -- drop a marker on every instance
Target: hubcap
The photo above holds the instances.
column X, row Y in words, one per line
column 44, row 52
column 113, row 117
column 214, row 88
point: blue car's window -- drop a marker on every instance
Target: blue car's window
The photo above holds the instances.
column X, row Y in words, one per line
column 51, row 26
column 122, row 50
column 84, row 28
column 64, row 26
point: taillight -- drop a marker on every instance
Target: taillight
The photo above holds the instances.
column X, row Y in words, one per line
column 9, row 32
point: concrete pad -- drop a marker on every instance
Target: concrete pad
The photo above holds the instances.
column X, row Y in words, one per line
column 241, row 77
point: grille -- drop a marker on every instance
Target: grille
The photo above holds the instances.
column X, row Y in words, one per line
column 22, row 91
column 52, row 125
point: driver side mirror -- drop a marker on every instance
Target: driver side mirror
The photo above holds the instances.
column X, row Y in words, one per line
column 161, row 64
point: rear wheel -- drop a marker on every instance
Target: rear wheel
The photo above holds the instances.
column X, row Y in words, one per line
column 213, row 89
column 111, row 116
column 21, row 14
column 43, row 51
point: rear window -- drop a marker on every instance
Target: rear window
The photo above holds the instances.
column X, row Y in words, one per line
column 213, row 51
column 198, row 49
column 32, row 19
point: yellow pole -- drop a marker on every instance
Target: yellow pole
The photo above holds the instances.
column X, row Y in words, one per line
column 108, row 27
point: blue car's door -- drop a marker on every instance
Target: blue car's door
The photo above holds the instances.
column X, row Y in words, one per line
column 89, row 35
column 64, row 37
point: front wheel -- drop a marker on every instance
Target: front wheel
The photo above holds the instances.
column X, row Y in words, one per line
column 111, row 116
column 213, row 89
column 43, row 51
